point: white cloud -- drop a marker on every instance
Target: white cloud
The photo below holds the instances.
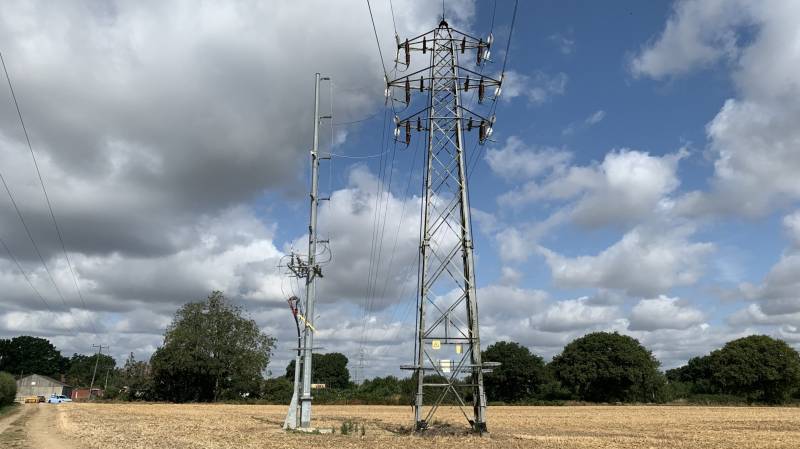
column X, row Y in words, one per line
column 596, row 117
column 754, row 136
column 565, row 42
column 516, row 160
column 626, row 187
column 644, row 262
column 663, row 313
column 697, row 34
column 538, row 87
column 574, row 314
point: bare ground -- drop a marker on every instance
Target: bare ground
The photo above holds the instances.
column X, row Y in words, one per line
column 124, row 426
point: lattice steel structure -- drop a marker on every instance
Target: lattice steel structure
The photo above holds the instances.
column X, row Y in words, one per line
column 447, row 340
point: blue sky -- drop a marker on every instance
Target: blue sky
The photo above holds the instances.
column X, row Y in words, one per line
column 641, row 177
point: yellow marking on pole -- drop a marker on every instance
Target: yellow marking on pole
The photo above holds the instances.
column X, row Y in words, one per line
column 299, row 315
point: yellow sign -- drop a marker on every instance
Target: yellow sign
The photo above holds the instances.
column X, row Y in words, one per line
column 458, row 349
column 436, row 344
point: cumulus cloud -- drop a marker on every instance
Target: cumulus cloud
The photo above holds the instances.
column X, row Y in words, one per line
column 697, row 34
column 574, row 314
column 626, row 187
column 754, row 136
column 516, row 160
column 158, row 129
column 538, row 87
column 663, row 313
column 644, row 262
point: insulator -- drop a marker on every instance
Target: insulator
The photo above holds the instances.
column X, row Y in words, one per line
column 486, row 54
column 408, row 53
column 424, row 45
column 481, row 91
column 469, row 124
column 490, row 39
column 466, row 84
column 421, row 84
column 408, row 91
column 396, row 132
column 463, row 44
column 497, row 92
column 419, row 123
column 408, row 133
column 489, row 131
column 482, row 132
column 479, row 54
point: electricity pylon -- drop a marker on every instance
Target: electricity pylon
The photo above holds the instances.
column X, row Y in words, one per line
column 308, row 269
column 447, row 340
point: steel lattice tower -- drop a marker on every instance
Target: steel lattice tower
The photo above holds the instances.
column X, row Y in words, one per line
column 447, row 340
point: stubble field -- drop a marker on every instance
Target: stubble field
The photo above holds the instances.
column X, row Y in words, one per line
column 258, row 426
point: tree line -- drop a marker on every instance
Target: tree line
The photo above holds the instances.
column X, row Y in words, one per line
column 213, row 352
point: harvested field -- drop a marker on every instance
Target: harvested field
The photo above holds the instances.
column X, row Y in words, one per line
column 127, row 426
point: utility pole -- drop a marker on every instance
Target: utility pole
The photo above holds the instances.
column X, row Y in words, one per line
column 294, row 406
column 308, row 269
column 96, row 361
column 447, row 332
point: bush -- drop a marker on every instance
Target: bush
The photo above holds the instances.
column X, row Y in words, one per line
column 8, row 389
column 277, row 390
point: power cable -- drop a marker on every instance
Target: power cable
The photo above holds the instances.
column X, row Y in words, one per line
column 44, row 191
column 30, row 237
column 25, row 275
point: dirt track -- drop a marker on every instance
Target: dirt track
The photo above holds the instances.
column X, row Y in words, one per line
column 35, row 426
column 152, row 426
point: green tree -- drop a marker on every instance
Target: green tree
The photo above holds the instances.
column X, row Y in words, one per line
column 31, row 355
column 211, row 352
column 758, row 367
column 8, row 389
column 329, row 369
column 520, row 376
column 277, row 390
column 135, row 379
column 609, row 367
column 696, row 374
column 81, row 368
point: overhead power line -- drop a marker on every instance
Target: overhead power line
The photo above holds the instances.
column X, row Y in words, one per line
column 46, row 197
column 25, row 275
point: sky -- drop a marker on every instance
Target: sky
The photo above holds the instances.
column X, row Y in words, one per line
column 642, row 176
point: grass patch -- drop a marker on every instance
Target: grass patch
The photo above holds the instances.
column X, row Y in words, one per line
column 8, row 409
column 14, row 436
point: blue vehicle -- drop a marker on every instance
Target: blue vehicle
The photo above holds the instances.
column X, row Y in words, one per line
column 58, row 398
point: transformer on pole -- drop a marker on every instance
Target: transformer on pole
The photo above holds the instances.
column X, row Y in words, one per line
column 308, row 268
column 447, row 332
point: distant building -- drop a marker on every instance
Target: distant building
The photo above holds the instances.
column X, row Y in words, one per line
column 318, row 386
column 38, row 385
column 82, row 394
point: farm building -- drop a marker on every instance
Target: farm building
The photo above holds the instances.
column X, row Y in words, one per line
column 82, row 394
column 37, row 385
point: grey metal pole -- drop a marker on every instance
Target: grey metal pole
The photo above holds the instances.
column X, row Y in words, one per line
column 305, row 399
